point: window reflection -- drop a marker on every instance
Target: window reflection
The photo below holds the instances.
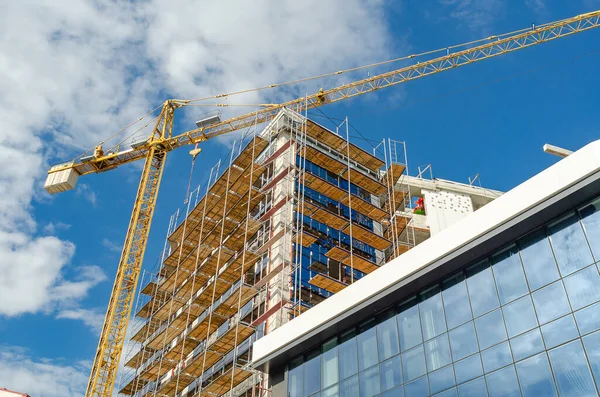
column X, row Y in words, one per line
column 571, row 371
column 503, row 383
column 463, row 341
column 391, row 373
column 588, row 319
column 592, row 348
column 312, row 372
column 475, row 388
column 441, row 379
column 482, row 289
column 490, row 329
column 551, row 302
column 296, row 378
column 583, row 287
column 369, row 382
column 456, row 302
column 387, row 336
column 367, row 346
column 329, row 374
column 417, row 388
column 509, row 275
column 348, row 355
column 519, row 316
column 526, row 345
column 535, row 377
column 496, row 357
column 590, row 218
column 538, row 260
column 410, row 326
column 433, row 321
column 468, row 369
column 413, row 363
column 437, row 353
column 559, row 331
column 570, row 246
column 349, row 387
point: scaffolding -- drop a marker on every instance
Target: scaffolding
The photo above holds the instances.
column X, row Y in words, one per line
column 296, row 214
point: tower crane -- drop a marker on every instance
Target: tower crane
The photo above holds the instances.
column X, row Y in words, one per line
column 161, row 141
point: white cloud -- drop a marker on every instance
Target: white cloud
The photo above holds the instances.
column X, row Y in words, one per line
column 85, row 69
column 52, row 228
column 41, row 377
column 87, row 193
column 476, row 15
column 111, row 246
column 537, row 6
column 92, row 318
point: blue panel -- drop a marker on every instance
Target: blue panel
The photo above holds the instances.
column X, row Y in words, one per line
column 527, row 345
column 503, row 383
column 348, row 355
column 475, row 388
column 441, row 379
column 437, row 352
column 333, row 391
column 410, row 327
column 538, row 260
column 535, row 377
column 312, row 372
column 551, row 302
column 496, row 357
column 366, row 341
column 463, row 341
column 369, row 382
column 590, row 218
column 417, row 388
column 468, row 369
column 509, row 275
column 490, row 329
column 390, row 372
column 296, row 378
column 456, row 302
column 349, row 387
column 570, row 246
column 571, row 371
column 588, row 319
column 519, row 316
column 448, row 393
column 592, row 347
column 433, row 322
column 398, row 392
column 583, row 287
column 559, row 331
column 413, row 363
column 482, row 289
column 387, row 337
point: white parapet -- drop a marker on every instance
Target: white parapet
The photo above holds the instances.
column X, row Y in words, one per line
column 61, row 181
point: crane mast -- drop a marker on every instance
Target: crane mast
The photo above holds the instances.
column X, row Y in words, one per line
column 161, row 141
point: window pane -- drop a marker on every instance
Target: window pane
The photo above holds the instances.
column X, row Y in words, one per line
column 463, row 341
column 369, row 382
column 496, row 357
column 433, row 321
column 583, row 287
column 387, row 337
column 410, row 327
column 295, row 378
column 333, row 391
column 437, row 352
column 509, row 275
column 468, row 368
column 588, row 319
column 535, row 377
column 417, row 388
column 413, row 363
column 571, row 371
column 475, row 388
column 503, row 383
column 348, row 355
column 329, row 374
column 592, row 347
column 447, row 393
column 570, row 247
column 391, row 373
column 591, row 224
column 367, row 346
column 559, row 331
column 482, row 289
column 312, row 372
column 349, row 387
column 490, row 329
column 538, row 260
column 551, row 302
column 399, row 392
column 456, row 302
column 441, row 379
column 519, row 316
column 527, row 344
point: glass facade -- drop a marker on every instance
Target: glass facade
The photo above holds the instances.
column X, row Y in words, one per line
column 524, row 321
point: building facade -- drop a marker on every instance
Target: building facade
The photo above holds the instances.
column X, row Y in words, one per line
column 505, row 302
column 297, row 215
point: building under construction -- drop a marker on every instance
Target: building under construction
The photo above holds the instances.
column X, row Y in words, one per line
column 295, row 215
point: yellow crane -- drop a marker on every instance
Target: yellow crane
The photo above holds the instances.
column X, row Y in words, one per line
column 161, row 141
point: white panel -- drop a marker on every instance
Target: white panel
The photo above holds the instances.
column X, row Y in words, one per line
column 536, row 190
column 444, row 208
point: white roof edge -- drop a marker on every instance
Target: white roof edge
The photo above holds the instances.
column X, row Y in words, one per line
column 530, row 193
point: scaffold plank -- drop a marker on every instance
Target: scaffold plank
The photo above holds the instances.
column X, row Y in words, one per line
column 323, row 160
column 367, row 237
column 230, row 305
column 393, row 174
column 397, row 201
column 322, row 215
column 223, row 383
column 327, row 283
column 304, row 238
column 396, row 226
column 149, row 289
column 369, row 184
column 359, row 263
column 226, row 342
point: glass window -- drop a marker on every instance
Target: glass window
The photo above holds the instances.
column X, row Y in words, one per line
column 312, row 372
column 410, row 326
column 592, row 347
column 482, row 289
column 413, row 363
column 441, row 379
column 437, row 352
column 538, row 260
column 503, row 383
column 295, row 378
column 333, row 391
column 535, row 377
column 329, row 369
column 588, row 319
column 417, row 388
column 349, row 387
column 590, row 218
column 475, row 388
column 369, row 382
column 447, row 393
column 559, row 331
column 571, row 371
column 551, row 302
column 583, row 287
column 519, row 316
column 527, row 345
column 387, row 337
column 456, row 302
column 570, row 246
column 399, row 392
column 490, row 329
column 433, row 322
column 391, row 373
column 496, row 357
column 468, row 369
column 367, row 346
column 348, row 355
column 509, row 275
column 463, row 341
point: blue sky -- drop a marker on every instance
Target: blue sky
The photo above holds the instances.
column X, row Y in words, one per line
column 491, row 119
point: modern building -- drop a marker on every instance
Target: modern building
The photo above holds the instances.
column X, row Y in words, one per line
column 296, row 215
column 504, row 302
